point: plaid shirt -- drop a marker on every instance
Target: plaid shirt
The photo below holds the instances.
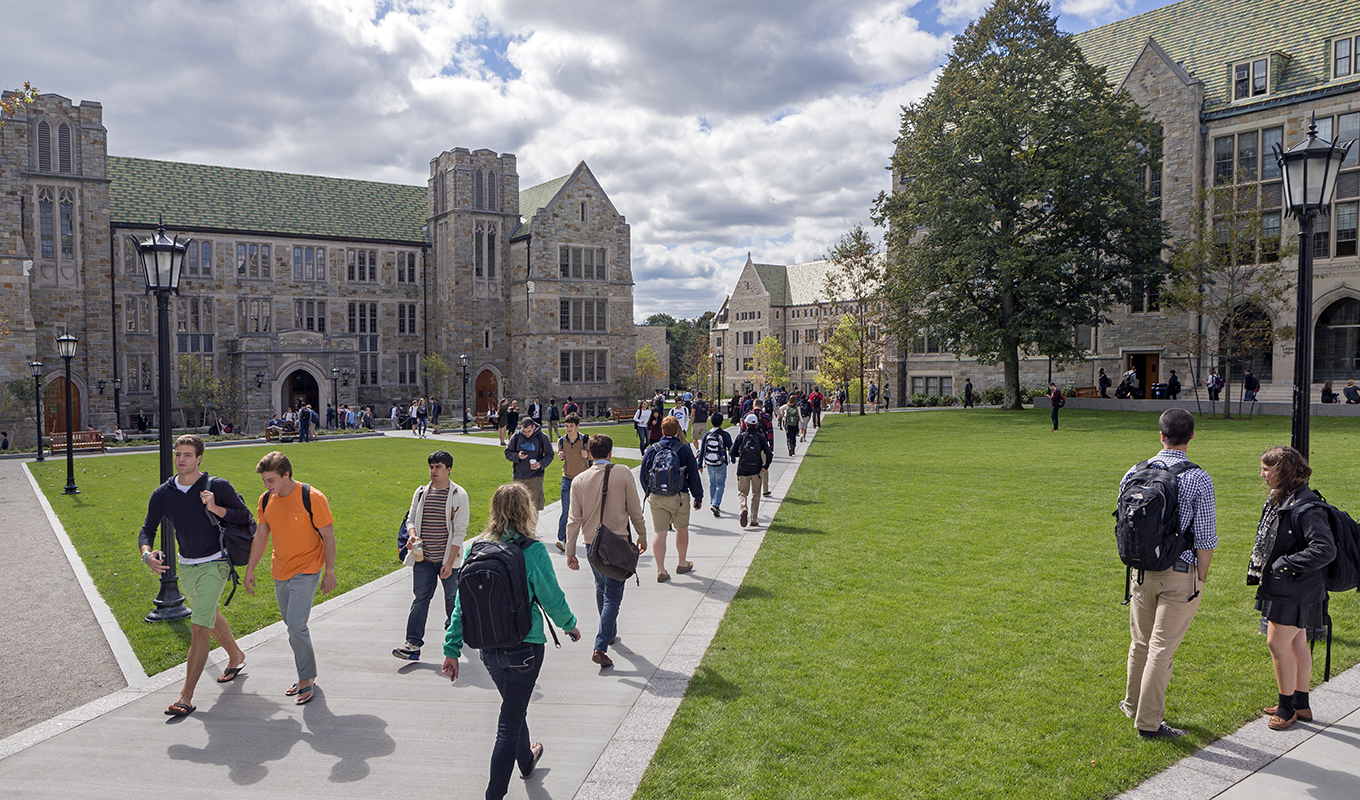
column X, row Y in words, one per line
column 1195, row 501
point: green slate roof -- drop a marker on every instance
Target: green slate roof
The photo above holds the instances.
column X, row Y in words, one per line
column 227, row 198
column 533, row 199
column 775, row 277
column 1208, row 36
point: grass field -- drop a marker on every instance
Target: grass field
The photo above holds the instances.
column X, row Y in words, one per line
column 367, row 481
column 935, row 614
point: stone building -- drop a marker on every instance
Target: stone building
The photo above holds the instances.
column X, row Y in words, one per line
column 301, row 288
column 1225, row 86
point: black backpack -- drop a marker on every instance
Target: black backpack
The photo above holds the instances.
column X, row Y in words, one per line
column 1343, row 573
column 236, row 542
column 752, row 448
column 666, row 476
column 715, row 455
column 1147, row 528
column 493, row 592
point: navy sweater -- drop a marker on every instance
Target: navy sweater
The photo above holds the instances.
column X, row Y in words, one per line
column 195, row 534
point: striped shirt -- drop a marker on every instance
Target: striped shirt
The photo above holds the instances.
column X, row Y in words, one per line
column 434, row 525
column 1195, row 502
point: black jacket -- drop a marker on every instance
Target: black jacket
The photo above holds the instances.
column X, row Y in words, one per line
column 539, row 448
column 749, row 467
column 1296, row 568
column 195, row 534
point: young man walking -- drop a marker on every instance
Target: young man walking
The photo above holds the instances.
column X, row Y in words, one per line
column 530, row 451
column 298, row 518
column 1164, row 603
column 669, row 504
column 700, row 412
column 753, row 454
column 616, row 511
column 713, row 452
column 572, row 450
column 203, row 565
column 766, row 424
column 554, row 417
column 437, row 520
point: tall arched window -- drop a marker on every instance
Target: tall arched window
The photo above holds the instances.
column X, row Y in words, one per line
column 1336, row 354
column 46, row 223
column 478, row 254
column 44, row 146
column 491, row 199
column 477, row 190
column 491, row 251
column 64, row 147
column 67, row 201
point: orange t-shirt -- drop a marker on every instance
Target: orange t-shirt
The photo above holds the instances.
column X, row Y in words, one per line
column 297, row 545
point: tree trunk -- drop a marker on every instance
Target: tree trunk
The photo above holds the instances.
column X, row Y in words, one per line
column 1227, row 394
column 1010, row 351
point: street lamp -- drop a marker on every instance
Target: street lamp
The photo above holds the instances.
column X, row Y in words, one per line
column 66, row 348
column 335, row 393
column 162, row 260
column 463, row 361
column 117, row 404
column 35, row 369
column 718, row 357
column 1310, row 169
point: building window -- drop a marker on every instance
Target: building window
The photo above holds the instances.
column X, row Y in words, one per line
column 1246, row 156
column 582, row 263
column 1223, row 160
column 491, row 203
column 198, row 260
column 1270, row 168
column 64, row 148
column 406, row 267
column 583, row 366
column 309, row 263
column 1147, row 297
column 1348, row 129
column 583, row 211
column 809, row 363
column 1322, row 236
column 68, row 223
column 194, row 325
column 1251, row 78
column 137, row 314
column 362, row 266
column 1343, row 56
column 406, row 318
column 139, row 375
column 583, row 315
column 1345, row 228
column 46, row 223
column 368, row 360
column 310, row 315
column 408, row 368
column 486, row 339
column 746, row 364
column 477, row 185
column 254, row 315
column 363, row 317
column 44, row 146
column 1270, row 236
column 484, row 250
column 252, row 260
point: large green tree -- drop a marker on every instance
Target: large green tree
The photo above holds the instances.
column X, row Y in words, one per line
column 681, row 336
column 854, row 290
column 1020, row 210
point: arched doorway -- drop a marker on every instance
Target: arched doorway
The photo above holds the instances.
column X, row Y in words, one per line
column 1252, row 342
column 299, row 388
column 486, row 391
column 54, row 406
column 1336, row 342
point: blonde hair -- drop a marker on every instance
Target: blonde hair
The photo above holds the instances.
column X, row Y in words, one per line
column 512, row 509
column 276, row 463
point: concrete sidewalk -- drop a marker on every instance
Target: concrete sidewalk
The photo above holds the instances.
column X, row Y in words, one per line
column 380, row 726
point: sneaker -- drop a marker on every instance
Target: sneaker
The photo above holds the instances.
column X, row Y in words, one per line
column 764, row 494
column 743, row 518
column 408, row 652
column 715, row 511
column 561, row 546
column 1163, row 731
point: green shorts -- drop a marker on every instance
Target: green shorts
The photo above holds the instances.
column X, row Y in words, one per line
column 202, row 585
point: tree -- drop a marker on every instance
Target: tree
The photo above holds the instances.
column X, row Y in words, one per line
column 854, row 290
column 838, row 359
column 1021, row 211
column 702, row 372
column 198, row 387
column 12, row 102
column 1229, row 272
column 229, row 400
column 681, row 336
column 436, row 373
column 771, row 362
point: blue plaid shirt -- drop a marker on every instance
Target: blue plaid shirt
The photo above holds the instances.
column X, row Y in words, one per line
column 1195, row 501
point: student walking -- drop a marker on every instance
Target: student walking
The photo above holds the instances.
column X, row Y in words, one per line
column 605, row 497
column 640, row 419
column 713, row 451
column 298, row 518
column 753, row 454
column 1056, row 400
column 514, row 669
column 789, row 414
column 1164, row 602
column 530, row 451
column 438, row 520
column 203, row 564
column 669, row 469
column 1294, row 545
column 502, row 419
column 572, row 449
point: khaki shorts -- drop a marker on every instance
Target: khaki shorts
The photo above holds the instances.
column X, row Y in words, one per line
column 202, row 585
column 668, row 511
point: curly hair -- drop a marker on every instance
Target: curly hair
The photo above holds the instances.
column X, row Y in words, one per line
column 1290, row 471
column 512, row 509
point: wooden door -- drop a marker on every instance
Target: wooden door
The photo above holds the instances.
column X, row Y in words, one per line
column 54, row 407
column 486, row 391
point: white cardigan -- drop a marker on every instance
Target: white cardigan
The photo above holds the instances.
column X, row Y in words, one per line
column 455, row 516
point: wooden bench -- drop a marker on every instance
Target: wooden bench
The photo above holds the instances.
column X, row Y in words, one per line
column 1086, row 391
column 273, row 434
column 80, row 440
column 622, row 414
column 483, row 421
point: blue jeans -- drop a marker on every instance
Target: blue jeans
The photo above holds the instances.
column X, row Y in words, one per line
column 514, row 670
column 566, row 507
column 608, row 598
column 717, row 482
column 421, row 426
column 425, row 575
column 642, row 437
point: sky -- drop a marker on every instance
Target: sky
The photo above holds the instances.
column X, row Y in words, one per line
column 719, row 128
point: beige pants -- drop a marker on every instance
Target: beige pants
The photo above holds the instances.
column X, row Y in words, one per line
column 535, row 487
column 750, row 484
column 1159, row 616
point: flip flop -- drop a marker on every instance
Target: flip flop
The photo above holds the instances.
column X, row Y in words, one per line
column 179, row 709
column 305, row 696
column 230, row 673
column 292, row 690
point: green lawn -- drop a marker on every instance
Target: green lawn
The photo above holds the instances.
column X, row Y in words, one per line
column 368, row 482
column 936, row 615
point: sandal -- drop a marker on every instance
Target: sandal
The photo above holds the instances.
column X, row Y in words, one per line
column 662, row 577
column 305, row 696
column 537, row 749
column 295, row 689
column 230, row 673
column 180, row 709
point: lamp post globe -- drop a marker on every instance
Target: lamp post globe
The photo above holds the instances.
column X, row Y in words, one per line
column 35, row 369
column 162, row 260
column 1310, row 169
column 463, row 362
column 66, row 348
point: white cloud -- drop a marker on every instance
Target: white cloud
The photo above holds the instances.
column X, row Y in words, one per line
column 1095, row 10
column 717, row 128
column 962, row 10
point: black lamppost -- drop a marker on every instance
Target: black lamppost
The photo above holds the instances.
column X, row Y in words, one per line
column 335, row 394
column 1310, row 169
column 66, row 348
column 162, row 260
column 117, row 404
column 463, row 361
column 35, row 369
column 718, row 357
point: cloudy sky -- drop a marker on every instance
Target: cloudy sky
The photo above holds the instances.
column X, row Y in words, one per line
column 718, row 127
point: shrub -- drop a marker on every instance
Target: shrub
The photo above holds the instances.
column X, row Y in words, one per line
column 918, row 399
column 949, row 400
column 993, row 395
column 932, row 400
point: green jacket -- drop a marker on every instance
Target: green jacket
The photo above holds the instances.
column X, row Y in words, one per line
column 542, row 585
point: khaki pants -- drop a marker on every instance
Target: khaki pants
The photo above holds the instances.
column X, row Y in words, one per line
column 749, row 484
column 1159, row 616
column 535, row 487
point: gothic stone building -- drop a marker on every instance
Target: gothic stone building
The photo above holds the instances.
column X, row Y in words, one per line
column 300, row 288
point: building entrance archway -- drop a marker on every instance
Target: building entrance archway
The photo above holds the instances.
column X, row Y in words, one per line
column 1336, row 342
column 486, row 391
column 300, row 388
column 54, row 406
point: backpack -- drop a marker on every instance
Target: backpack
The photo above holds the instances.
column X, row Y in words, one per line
column 751, row 449
column 715, row 455
column 667, row 475
column 403, row 534
column 1343, row 573
column 1147, row 527
column 493, row 592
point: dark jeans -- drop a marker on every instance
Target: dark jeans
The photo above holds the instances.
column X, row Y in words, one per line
column 608, row 598
column 792, row 434
column 1055, row 418
column 642, row 438
column 425, row 576
column 514, row 670
column 566, row 507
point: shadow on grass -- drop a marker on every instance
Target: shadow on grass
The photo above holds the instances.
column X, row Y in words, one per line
column 797, row 531
column 749, row 592
column 709, row 683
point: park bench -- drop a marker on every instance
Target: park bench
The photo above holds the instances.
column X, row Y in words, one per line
column 1086, row 391
column 273, row 434
column 622, row 414
column 80, row 440
column 483, row 421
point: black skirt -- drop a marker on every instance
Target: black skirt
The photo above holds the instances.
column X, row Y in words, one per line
column 1307, row 615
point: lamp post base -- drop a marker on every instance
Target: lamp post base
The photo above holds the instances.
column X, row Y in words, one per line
column 169, row 603
column 70, row 490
